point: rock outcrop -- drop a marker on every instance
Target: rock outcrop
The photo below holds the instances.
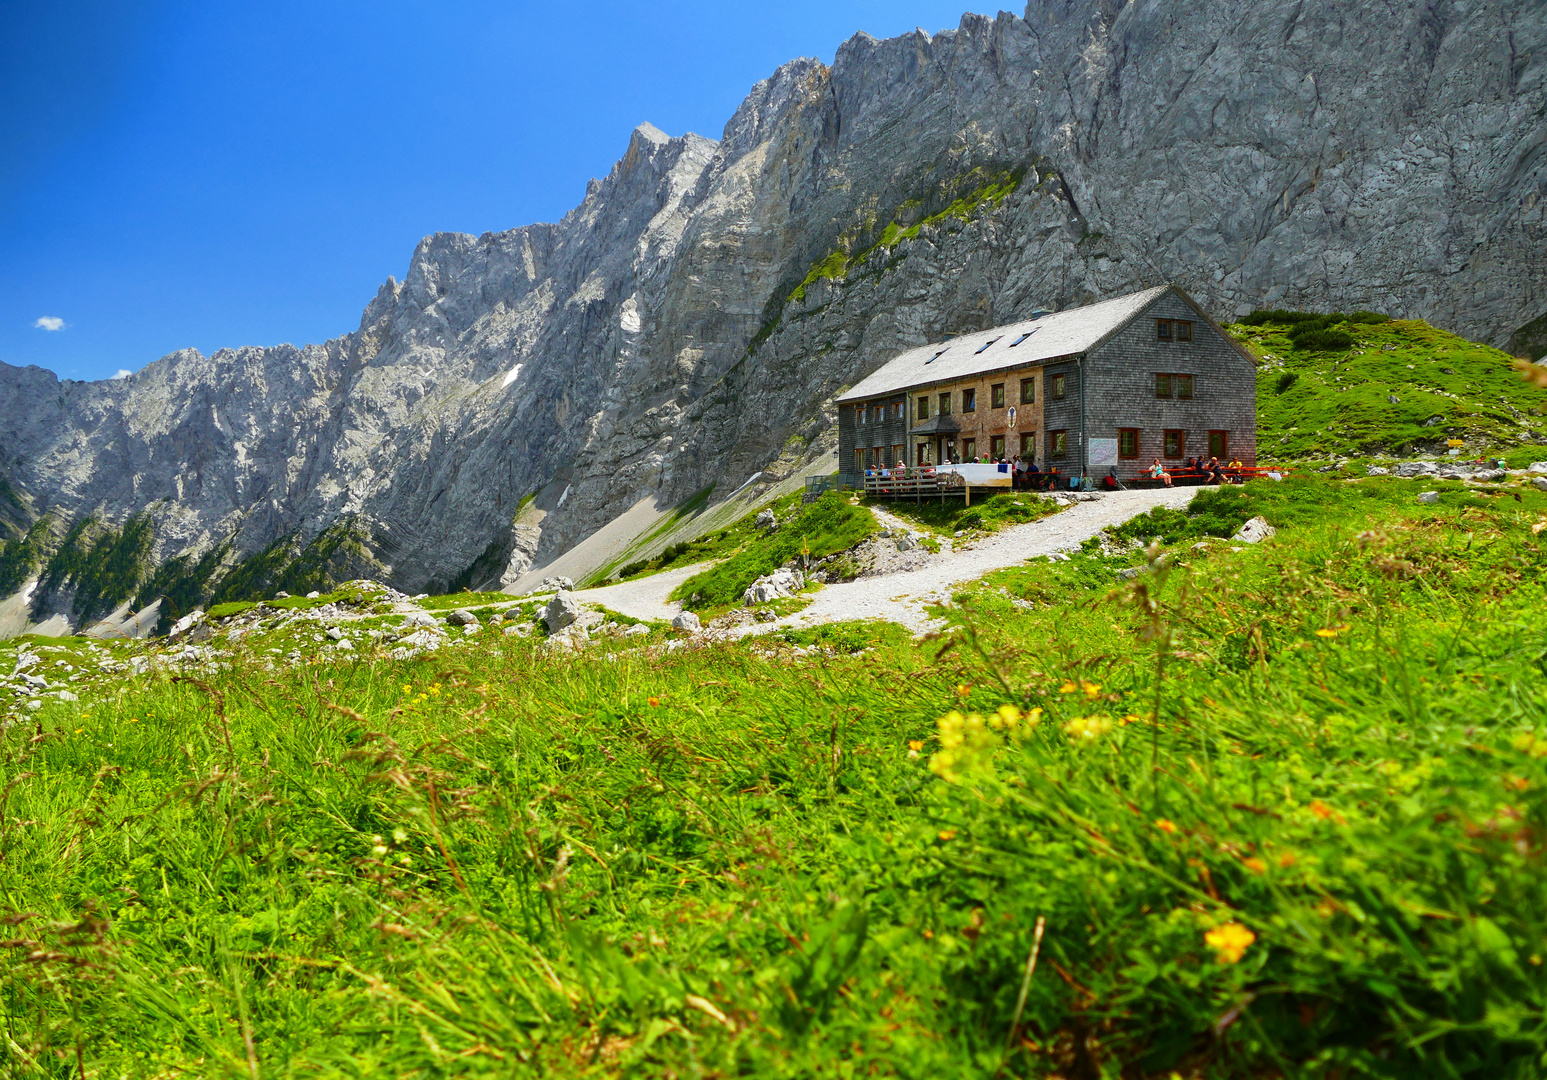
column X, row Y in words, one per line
column 689, row 322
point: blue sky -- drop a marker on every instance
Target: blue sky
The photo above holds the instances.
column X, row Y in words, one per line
column 211, row 174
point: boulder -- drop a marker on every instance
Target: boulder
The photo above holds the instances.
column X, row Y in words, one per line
column 1254, row 531
column 556, row 584
column 462, row 617
column 1376, row 470
column 572, row 638
column 1540, row 483
column 1538, row 466
column 781, row 583
column 1409, row 469
column 517, row 629
column 187, row 622
column 561, row 611
column 282, row 596
column 313, row 595
column 687, row 621
column 637, row 630
column 1429, row 497
column 906, row 541
column 335, row 633
column 419, row 618
column 766, row 521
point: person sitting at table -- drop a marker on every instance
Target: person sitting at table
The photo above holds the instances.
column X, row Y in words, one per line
column 1214, row 472
column 1033, row 475
column 1158, row 472
column 1235, row 471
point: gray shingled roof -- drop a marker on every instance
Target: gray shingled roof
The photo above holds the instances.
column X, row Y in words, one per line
column 1033, row 341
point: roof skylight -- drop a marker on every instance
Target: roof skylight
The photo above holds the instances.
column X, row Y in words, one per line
column 986, row 344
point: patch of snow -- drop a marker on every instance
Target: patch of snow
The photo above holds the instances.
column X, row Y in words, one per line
column 510, row 376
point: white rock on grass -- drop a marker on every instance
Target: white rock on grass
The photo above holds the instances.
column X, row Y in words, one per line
column 1429, row 497
column 688, row 621
column 462, row 617
column 637, row 630
column 561, row 611
column 774, row 586
column 419, row 618
column 1540, row 483
column 1254, row 531
column 335, row 633
column 1417, row 468
column 1376, row 470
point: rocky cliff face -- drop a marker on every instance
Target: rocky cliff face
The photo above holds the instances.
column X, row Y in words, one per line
column 688, row 321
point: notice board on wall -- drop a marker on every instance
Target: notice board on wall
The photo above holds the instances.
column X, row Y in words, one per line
column 1103, row 453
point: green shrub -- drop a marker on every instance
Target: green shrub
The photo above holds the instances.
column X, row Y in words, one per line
column 1324, row 341
column 1285, row 381
column 825, row 527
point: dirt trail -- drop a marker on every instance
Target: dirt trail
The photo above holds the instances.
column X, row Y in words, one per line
column 901, row 597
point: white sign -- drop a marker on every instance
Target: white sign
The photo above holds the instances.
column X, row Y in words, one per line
column 1103, row 453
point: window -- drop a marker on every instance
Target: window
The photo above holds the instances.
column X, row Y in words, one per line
column 1060, row 385
column 872, row 457
column 1219, row 444
column 926, row 454
column 1173, row 385
column 969, row 401
column 969, row 449
column 1162, row 329
column 945, row 403
column 1022, row 338
column 935, row 357
column 1183, row 330
column 1176, row 443
column 996, row 395
column 1058, row 445
column 986, row 344
column 996, row 448
column 1029, row 445
column 1183, row 385
column 1173, row 330
column 923, row 410
column 899, row 455
column 1128, row 442
column 1162, row 386
column 1028, row 391
column 897, row 410
column 859, row 461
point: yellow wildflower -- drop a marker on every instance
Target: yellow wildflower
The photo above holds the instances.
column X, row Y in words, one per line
column 915, row 744
column 407, row 689
column 654, row 702
column 963, row 689
column 1326, row 633
column 1165, row 825
column 1092, row 690
column 1067, row 688
column 1229, row 942
column 1085, row 729
column 948, row 834
column 965, row 743
column 1255, row 865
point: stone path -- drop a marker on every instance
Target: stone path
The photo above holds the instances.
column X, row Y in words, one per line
column 902, row 597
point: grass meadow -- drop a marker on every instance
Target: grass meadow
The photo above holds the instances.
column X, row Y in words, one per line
column 1269, row 812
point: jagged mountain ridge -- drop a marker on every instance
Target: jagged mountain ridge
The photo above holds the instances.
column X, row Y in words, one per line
column 659, row 338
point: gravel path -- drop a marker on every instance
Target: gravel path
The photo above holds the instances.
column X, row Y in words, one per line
column 901, row 597
column 646, row 597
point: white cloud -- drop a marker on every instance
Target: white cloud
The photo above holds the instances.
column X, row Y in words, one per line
column 121, row 373
column 49, row 322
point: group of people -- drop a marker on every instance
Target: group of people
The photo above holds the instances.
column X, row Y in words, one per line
column 1213, row 471
column 1026, row 476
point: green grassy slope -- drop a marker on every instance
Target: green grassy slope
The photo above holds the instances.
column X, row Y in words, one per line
column 1281, row 813
column 1320, row 403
